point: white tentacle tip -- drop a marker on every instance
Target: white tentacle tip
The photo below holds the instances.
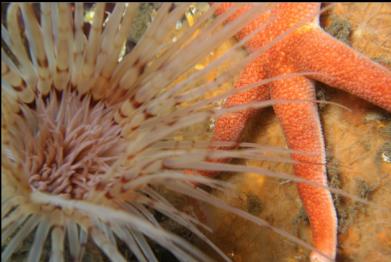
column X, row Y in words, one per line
column 318, row 257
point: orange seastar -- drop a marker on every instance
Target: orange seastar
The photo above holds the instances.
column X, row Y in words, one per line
column 307, row 49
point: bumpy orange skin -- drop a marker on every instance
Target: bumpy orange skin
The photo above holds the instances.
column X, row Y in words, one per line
column 307, row 49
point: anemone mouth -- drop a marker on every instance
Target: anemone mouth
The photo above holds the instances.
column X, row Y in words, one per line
column 70, row 142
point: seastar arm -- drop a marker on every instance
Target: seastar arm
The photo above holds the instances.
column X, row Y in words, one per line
column 301, row 125
column 342, row 67
column 230, row 127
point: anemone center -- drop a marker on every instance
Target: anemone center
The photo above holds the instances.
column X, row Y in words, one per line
column 72, row 144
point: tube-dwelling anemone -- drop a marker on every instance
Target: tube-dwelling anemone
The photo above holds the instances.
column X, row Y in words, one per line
column 87, row 131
